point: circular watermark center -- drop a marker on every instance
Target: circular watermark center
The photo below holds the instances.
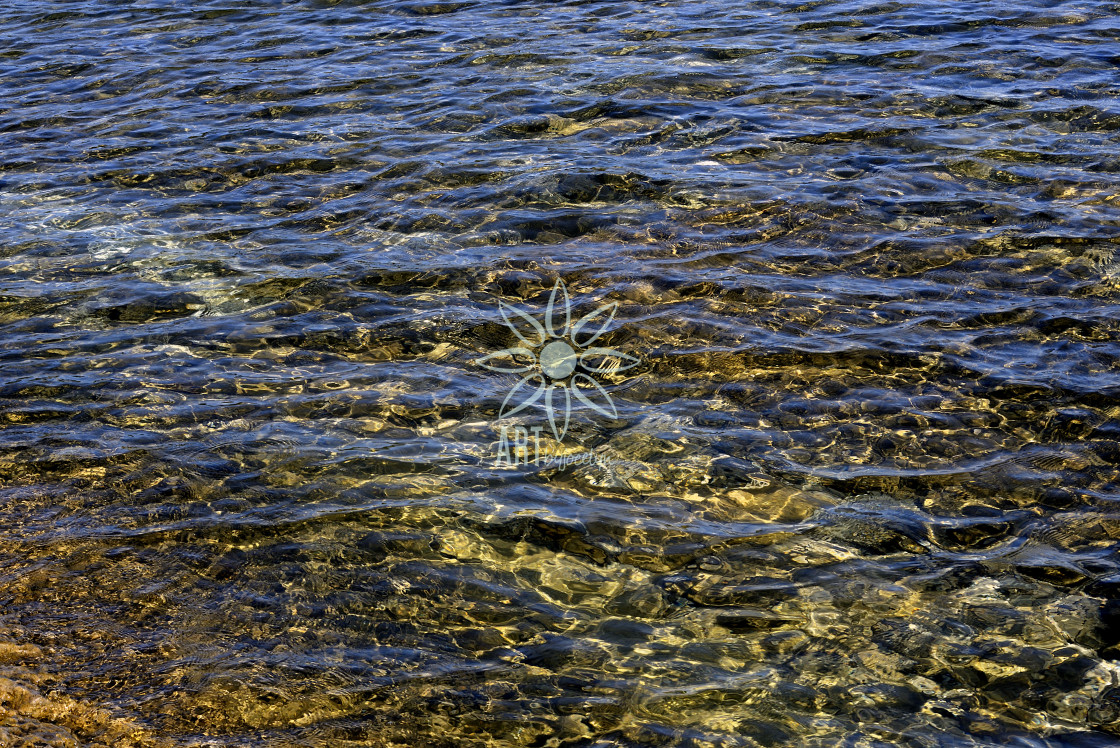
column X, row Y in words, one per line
column 558, row 360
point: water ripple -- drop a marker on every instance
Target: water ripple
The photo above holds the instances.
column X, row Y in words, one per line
column 860, row 490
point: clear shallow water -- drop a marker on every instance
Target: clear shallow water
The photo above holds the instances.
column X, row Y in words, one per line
column 864, row 479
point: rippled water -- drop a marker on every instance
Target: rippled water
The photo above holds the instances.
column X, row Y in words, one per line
column 861, row 488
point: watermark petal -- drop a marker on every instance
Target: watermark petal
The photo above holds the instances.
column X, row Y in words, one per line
column 513, row 354
column 607, row 309
column 597, row 392
column 535, row 326
column 558, row 421
column 612, row 360
column 559, row 293
column 524, row 399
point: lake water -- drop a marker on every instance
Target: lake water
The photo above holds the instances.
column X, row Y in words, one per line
column 825, row 450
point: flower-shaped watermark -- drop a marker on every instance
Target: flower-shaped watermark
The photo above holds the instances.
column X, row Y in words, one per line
column 558, row 360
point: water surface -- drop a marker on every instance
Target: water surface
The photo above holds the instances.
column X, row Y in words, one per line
column 861, row 489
